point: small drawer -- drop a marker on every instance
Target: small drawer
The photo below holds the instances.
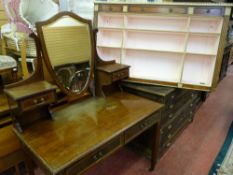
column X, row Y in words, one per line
column 135, row 130
column 111, row 8
column 157, row 9
column 119, row 75
column 97, row 155
column 38, row 100
column 209, row 11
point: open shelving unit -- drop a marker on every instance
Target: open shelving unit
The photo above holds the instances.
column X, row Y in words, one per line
column 179, row 49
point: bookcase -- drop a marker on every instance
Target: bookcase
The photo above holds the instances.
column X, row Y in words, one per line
column 171, row 44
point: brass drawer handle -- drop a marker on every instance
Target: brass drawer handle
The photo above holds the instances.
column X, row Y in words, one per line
column 35, row 101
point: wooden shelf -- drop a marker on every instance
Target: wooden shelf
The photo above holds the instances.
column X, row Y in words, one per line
column 154, row 41
column 110, row 20
column 206, row 24
column 110, row 38
column 153, row 50
column 147, row 22
column 198, row 70
column 201, row 44
column 169, row 48
column 153, row 65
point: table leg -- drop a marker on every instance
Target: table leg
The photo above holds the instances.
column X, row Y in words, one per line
column 29, row 165
column 155, row 145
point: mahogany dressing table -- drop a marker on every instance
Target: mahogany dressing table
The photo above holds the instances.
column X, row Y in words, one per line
column 84, row 129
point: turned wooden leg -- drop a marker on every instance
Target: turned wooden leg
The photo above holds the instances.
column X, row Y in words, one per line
column 155, row 145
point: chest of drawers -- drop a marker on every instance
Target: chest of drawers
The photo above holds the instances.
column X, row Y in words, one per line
column 179, row 108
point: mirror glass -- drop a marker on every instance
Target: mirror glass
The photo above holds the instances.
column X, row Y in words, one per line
column 69, row 49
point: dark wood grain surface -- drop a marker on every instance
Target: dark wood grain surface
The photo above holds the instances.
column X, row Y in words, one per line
column 80, row 128
column 29, row 89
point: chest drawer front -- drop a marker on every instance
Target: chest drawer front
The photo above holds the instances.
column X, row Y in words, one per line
column 119, row 75
column 38, row 100
column 135, row 130
column 111, row 8
column 211, row 11
column 157, row 9
column 94, row 157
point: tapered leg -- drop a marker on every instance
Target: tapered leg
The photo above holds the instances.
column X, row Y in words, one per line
column 155, row 145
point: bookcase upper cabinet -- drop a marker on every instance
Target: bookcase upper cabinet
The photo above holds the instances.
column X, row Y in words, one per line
column 171, row 44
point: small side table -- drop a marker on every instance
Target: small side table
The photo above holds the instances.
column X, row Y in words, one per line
column 109, row 74
column 29, row 103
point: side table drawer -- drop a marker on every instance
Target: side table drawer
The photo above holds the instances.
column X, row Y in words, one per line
column 141, row 126
column 111, row 8
column 37, row 100
column 94, row 157
column 120, row 75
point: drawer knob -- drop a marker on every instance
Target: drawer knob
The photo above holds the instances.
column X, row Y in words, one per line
column 170, row 116
column 95, row 157
column 191, row 105
column 42, row 99
column 171, row 106
column 168, row 144
column 101, row 154
column 169, row 136
column 142, row 126
column 170, row 127
column 35, row 101
column 172, row 96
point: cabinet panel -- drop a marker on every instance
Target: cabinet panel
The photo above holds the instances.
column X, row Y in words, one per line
column 198, row 69
column 203, row 44
column 157, row 23
column 110, row 38
column 110, row 21
column 206, row 24
column 155, row 41
column 153, row 65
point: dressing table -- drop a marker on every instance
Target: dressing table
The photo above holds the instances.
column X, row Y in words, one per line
column 83, row 129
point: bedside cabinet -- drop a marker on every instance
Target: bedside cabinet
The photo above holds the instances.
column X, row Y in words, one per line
column 30, row 102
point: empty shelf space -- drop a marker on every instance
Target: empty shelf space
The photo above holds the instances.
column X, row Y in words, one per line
column 198, row 70
column 109, row 54
column 153, row 65
column 202, row 44
column 110, row 20
column 110, row 38
column 206, row 24
column 155, row 41
column 157, row 23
